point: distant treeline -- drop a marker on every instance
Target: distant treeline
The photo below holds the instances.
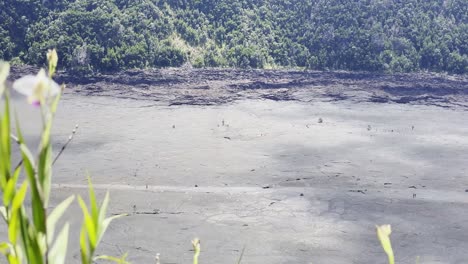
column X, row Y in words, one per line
column 109, row 35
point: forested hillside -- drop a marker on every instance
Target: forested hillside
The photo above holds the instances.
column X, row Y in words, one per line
column 370, row 35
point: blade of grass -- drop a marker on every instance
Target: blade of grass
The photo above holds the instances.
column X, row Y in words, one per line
column 383, row 233
column 5, row 248
column 196, row 249
column 13, row 225
column 84, row 249
column 121, row 260
column 103, row 209
column 58, row 252
column 9, row 190
column 241, row 255
column 36, row 197
column 93, row 202
column 19, row 197
column 44, row 171
column 105, row 224
column 5, row 144
column 89, row 224
column 53, row 218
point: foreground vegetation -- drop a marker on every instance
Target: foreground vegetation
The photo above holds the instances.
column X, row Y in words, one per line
column 109, row 35
column 32, row 230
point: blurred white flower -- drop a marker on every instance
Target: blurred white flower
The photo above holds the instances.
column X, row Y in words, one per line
column 36, row 88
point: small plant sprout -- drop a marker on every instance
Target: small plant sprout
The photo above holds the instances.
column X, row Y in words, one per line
column 121, row 260
column 196, row 249
column 239, row 261
column 94, row 226
column 383, row 233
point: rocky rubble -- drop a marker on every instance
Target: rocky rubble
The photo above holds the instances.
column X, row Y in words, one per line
column 174, row 86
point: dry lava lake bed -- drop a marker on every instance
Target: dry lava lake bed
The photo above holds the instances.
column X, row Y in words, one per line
column 284, row 166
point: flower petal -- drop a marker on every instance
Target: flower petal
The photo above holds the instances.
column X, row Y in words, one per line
column 54, row 88
column 25, row 85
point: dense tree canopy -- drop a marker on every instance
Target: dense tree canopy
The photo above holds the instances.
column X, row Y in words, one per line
column 371, row 35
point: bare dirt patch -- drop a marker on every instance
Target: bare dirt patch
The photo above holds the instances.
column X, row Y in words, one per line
column 295, row 167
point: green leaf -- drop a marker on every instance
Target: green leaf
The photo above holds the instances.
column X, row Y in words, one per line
column 53, row 218
column 9, row 192
column 44, row 170
column 28, row 244
column 36, row 195
column 45, row 138
column 196, row 249
column 103, row 209
column 93, row 202
column 104, row 224
column 45, row 147
column 18, row 129
column 5, row 144
column 31, row 245
column 41, row 240
column 19, row 252
column 383, row 233
column 121, row 260
column 10, row 187
column 13, row 227
column 58, row 252
column 12, row 259
column 17, row 173
column 5, row 248
column 85, row 259
column 3, row 212
column 28, row 157
column 15, row 218
column 89, row 224
column 19, row 197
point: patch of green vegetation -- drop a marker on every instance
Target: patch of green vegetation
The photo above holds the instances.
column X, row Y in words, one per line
column 109, row 35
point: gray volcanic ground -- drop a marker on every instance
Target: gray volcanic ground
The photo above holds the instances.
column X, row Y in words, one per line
column 293, row 167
